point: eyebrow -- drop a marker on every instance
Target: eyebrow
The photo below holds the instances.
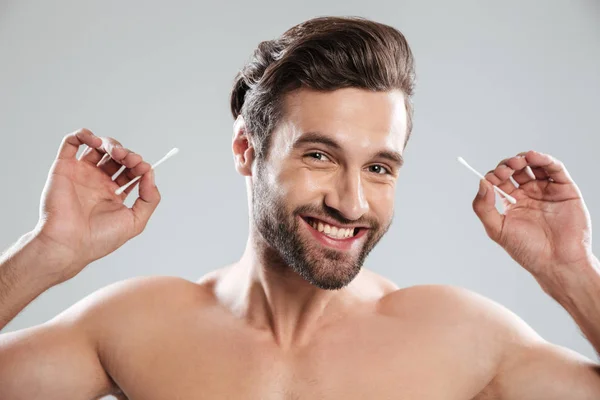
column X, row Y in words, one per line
column 316, row 137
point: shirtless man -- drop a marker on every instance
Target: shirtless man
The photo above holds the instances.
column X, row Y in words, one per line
column 297, row 317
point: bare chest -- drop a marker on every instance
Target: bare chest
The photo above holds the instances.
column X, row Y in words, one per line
column 358, row 361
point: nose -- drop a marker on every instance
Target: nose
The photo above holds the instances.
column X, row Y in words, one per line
column 348, row 197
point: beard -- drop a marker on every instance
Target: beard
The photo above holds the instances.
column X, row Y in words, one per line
column 323, row 267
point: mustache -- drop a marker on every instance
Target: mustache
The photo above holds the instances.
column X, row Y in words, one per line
column 335, row 215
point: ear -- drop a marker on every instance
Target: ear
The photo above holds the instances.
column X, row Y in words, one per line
column 243, row 151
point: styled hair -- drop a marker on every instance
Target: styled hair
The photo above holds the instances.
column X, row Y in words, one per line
column 324, row 53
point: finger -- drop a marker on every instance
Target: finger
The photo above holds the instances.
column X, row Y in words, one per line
column 109, row 166
column 119, row 156
column 129, row 174
column 554, row 168
column 517, row 162
column 500, row 177
column 124, row 179
column 522, row 172
column 531, row 172
column 71, row 142
column 141, row 168
column 492, row 178
column 114, row 148
column 131, row 159
column 109, row 146
column 128, row 159
column 146, row 203
column 91, row 156
column 136, row 165
column 539, row 173
column 504, row 173
column 109, row 149
column 522, row 176
column 484, row 206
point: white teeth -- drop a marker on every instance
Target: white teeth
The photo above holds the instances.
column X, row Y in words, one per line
column 337, row 233
column 332, row 231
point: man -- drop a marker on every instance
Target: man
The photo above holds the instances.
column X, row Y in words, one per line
column 323, row 114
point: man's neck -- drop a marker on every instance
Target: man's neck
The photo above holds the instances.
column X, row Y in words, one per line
column 270, row 296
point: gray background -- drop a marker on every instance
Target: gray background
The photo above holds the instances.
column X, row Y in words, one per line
column 494, row 79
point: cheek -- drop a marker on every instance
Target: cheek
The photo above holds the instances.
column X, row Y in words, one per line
column 381, row 200
column 300, row 182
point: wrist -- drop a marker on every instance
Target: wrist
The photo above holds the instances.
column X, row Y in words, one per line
column 574, row 282
column 24, row 275
column 47, row 262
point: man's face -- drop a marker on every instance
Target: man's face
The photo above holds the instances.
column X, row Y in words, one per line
column 324, row 196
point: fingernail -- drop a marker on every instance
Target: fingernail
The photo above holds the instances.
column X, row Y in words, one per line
column 152, row 177
column 482, row 188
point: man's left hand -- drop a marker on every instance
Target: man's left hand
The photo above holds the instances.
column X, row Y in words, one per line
column 548, row 231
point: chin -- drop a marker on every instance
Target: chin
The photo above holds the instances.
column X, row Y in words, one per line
column 330, row 275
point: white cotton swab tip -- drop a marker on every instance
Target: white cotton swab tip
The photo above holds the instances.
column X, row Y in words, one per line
column 511, row 199
column 170, row 154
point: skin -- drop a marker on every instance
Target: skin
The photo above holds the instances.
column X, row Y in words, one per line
column 257, row 329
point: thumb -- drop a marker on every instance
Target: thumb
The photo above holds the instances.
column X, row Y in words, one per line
column 146, row 203
column 484, row 206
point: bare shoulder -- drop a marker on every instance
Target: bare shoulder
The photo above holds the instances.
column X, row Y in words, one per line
column 63, row 358
column 123, row 302
column 447, row 301
column 479, row 323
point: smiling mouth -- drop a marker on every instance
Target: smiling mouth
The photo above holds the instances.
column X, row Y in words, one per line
column 332, row 231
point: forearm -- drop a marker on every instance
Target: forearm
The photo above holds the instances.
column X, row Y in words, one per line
column 23, row 276
column 579, row 294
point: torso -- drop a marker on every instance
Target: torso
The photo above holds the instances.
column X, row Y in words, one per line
column 398, row 346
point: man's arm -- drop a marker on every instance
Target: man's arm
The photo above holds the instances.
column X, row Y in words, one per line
column 523, row 366
column 579, row 293
column 548, row 231
column 23, row 276
column 81, row 220
column 55, row 360
column 535, row 369
column 66, row 357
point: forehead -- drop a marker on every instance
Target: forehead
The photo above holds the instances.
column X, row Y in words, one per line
column 350, row 115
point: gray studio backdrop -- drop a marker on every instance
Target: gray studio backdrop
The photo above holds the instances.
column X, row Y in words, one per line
column 494, row 79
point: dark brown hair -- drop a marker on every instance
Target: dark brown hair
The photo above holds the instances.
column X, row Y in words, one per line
column 324, row 53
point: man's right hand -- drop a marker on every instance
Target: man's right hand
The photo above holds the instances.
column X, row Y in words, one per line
column 81, row 217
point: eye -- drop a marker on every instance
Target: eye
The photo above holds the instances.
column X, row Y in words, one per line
column 379, row 169
column 318, row 156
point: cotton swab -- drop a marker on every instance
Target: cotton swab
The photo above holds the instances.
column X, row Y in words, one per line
column 170, row 154
column 508, row 196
